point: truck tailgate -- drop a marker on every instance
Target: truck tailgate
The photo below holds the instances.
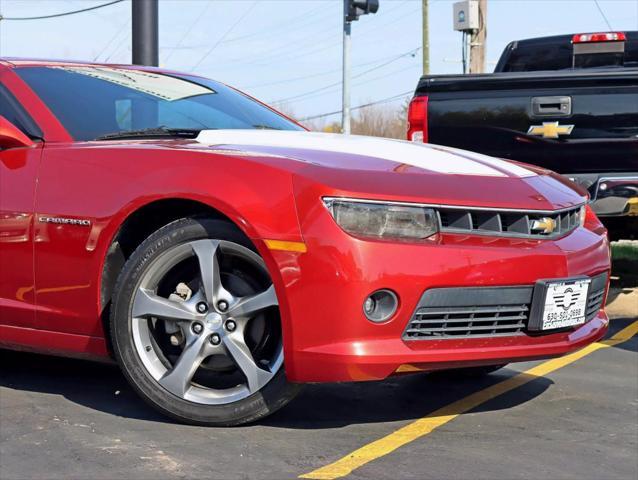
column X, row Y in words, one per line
column 564, row 121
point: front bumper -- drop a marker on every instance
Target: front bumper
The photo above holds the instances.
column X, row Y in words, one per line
column 378, row 359
column 327, row 338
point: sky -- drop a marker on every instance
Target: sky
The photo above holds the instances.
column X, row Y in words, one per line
column 289, row 51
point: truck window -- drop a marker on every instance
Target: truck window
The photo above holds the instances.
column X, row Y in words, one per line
column 550, row 56
column 559, row 53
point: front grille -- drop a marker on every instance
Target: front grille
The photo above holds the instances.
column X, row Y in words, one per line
column 527, row 224
column 445, row 313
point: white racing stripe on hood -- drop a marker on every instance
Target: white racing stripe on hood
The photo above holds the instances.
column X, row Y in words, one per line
column 437, row 159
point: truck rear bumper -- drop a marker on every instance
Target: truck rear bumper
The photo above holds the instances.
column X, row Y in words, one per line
column 612, row 194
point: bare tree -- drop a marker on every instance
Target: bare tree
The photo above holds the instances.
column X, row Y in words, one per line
column 380, row 121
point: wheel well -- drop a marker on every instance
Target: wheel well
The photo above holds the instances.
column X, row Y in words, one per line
column 137, row 228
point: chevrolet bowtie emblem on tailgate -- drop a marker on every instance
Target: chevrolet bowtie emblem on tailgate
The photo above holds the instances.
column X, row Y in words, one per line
column 550, row 130
column 544, row 225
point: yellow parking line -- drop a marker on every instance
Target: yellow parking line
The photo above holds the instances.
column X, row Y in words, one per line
column 427, row 424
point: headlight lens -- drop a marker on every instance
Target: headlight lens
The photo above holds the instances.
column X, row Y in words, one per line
column 383, row 220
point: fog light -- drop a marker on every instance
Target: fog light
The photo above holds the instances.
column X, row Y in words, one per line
column 380, row 306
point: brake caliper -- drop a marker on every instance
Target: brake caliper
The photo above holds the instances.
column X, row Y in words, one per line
column 182, row 293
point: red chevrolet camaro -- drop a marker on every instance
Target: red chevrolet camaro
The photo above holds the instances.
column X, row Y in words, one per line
column 223, row 255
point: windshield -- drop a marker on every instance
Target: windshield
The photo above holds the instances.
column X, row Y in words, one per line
column 94, row 101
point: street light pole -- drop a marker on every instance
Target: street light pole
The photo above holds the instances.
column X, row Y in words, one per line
column 345, row 111
column 352, row 10
column 145, row 32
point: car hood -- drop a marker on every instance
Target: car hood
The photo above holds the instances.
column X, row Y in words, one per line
column 372, row 167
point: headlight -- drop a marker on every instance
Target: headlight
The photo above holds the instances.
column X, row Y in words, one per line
column 383, row 220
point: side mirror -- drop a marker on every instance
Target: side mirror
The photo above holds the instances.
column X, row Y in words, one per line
column 11, row 136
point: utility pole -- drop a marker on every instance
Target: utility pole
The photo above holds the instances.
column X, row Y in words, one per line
column 426, row 39
column 145, row 32
column 352, row 9
column 478, row 39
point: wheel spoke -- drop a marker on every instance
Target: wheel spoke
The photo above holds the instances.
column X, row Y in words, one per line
column 253, row 304
column 206, row 252
column 178, row 379
column 148, row 304
column 256, row 376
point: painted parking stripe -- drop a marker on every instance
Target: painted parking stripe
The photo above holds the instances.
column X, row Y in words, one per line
column 429, row 423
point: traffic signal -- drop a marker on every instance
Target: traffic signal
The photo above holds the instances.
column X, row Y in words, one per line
column 355, row 8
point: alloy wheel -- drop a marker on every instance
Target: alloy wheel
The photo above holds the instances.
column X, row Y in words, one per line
column 220, row 341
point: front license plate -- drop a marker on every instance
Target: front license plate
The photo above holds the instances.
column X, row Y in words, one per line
column 565, row 304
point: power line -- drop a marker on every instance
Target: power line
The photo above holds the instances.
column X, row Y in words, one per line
column 314, row 75
column 603, row 15
column 63, row 14
column 326, row 87
column 210, row 50
column 289, row 24
column 121, row 43
column 367, row 81
column 189, row 30
column 267, row 58
column 110, row 42
column 358, row 107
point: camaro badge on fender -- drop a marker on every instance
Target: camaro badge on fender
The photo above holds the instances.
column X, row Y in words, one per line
column 66, row 221
column 550, row 130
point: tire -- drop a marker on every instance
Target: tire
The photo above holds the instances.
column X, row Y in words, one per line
column 165, row 342
column 469, row 372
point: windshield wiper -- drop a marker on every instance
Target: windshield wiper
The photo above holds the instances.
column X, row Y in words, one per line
column 265, row 127
column 155, row 132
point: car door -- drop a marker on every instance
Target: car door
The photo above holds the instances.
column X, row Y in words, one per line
column 18, row 175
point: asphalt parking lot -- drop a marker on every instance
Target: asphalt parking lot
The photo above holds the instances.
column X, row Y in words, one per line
column 566, row 418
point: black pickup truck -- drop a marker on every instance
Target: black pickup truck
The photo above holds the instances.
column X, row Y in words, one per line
column 568, row 103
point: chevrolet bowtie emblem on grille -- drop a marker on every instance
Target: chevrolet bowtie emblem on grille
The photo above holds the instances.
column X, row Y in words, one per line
column 550, row 130
column 544, row 225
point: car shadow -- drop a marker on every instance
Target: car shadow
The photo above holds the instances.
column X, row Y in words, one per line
column 103, row 388
column 95, row 385
column 396, row 399
column 615, row 326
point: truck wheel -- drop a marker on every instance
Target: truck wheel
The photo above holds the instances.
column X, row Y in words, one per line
column 196, row 328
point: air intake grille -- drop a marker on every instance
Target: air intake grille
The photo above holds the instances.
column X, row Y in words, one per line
column 509, row 223
column 468, row 321
column 445, row 313
column 596, row 294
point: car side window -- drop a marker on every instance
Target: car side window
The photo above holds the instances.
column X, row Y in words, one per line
column 11, row 109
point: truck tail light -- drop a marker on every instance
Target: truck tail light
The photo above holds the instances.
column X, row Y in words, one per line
column 599, row 37
column 591, row 221
column 418, row 120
